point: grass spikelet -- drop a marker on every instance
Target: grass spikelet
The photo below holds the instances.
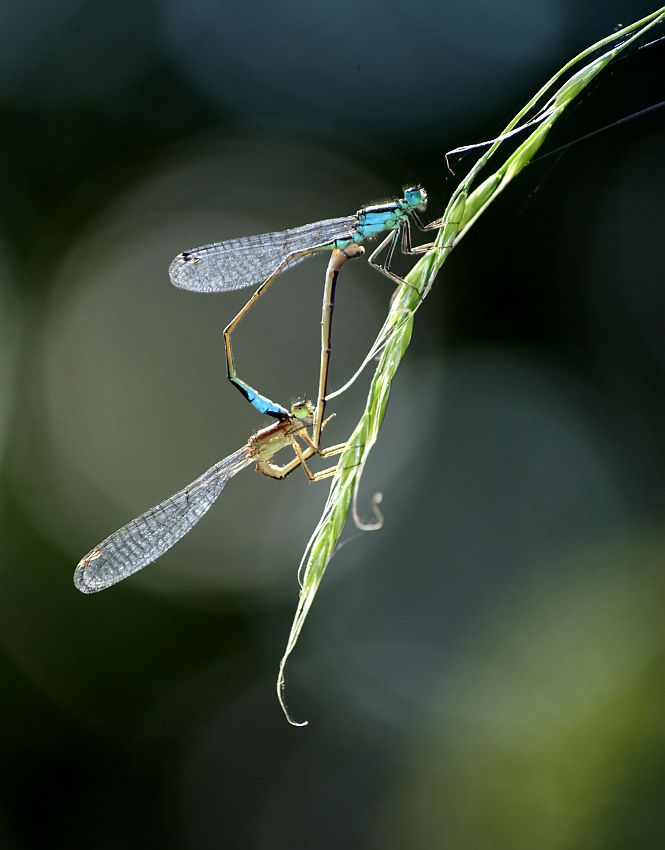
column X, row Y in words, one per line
column 466, row 205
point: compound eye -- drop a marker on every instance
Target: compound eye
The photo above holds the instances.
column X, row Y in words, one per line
column 416, row 196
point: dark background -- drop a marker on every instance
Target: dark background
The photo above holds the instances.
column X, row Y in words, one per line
column 485, row 672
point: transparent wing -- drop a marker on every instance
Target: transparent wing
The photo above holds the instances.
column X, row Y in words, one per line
column 145, row 538
column 248, row 261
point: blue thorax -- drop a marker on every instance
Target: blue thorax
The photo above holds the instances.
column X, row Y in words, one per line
column 382, row 217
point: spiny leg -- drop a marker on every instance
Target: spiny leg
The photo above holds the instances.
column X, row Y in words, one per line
column 407, row 246
column 391, row 275
column 437, row 224
column 338, row 448
column 329, row 452
column 304, row 455
column 433, row 225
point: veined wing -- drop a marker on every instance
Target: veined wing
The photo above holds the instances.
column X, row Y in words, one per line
column 248, row 261
column 145, row 538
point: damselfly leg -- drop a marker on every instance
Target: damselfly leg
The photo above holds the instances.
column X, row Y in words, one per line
column 260, row 402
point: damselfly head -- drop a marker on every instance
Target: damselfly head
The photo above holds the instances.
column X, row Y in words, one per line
column 416, row 197
column 302, row 409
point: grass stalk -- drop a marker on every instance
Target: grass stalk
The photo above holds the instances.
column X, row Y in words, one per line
column 466, row 205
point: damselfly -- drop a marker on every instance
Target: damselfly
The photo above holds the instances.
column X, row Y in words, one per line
column 150, row 535
column 259, row 260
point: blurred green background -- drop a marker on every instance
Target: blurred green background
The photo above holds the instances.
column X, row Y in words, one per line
column 484, row 673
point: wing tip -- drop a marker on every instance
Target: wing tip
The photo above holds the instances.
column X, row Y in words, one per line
column 83, row 580
column 179, row 267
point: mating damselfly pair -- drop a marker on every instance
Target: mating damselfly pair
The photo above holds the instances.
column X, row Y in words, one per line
column 259, row 260
column 236, row 264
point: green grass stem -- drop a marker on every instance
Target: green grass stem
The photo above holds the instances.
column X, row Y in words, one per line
column 466, row 205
